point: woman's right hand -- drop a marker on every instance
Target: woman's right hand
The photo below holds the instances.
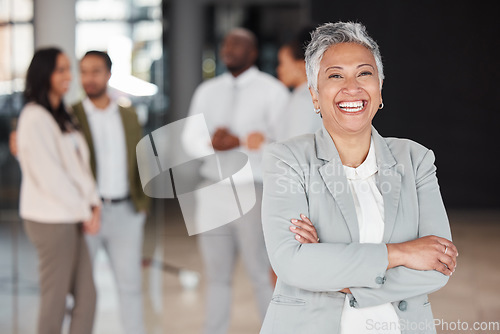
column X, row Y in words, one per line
column 93, row 225
column 304, row 230
column 425, row 253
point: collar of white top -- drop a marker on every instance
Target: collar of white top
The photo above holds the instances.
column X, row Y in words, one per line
column 244, row 77
column 366, row 169
column 91, row 109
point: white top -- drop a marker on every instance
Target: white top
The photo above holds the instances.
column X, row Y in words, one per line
column 299, row 116
column 253, row 101
column 110, row 149
column 57, row 184
column 369, row 205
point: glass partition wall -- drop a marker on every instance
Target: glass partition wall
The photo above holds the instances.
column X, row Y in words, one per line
column 16, row 50
column 131, row 31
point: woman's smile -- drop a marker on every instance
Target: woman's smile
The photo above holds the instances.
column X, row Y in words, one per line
column 352, row 107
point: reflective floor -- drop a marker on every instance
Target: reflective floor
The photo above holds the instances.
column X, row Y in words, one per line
column 169, row 306
column 472, row 295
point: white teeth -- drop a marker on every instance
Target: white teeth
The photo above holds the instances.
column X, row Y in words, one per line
column 351, row 106
column 354, row 104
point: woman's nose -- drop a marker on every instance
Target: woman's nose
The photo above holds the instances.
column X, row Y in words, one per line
column 351, row 86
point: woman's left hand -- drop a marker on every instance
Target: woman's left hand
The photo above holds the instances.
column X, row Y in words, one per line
column 304, row 230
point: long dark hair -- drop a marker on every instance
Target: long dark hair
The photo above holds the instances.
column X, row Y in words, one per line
column 37, row 86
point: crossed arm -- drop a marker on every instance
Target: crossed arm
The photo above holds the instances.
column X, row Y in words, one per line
column 425, row 253
column 223, row 140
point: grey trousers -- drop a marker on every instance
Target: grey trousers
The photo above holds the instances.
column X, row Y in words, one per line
column 64, row 268
column 121, row 236
column 220, row 248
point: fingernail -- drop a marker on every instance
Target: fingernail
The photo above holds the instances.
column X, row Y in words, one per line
column 297, row 237
column 294, row 220
column 294, row 227
column 302, row 215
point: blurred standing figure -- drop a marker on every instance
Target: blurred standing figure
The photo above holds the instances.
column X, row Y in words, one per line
column 59, row 199
column 112, row 133
column 241, row 109
column 300, row 117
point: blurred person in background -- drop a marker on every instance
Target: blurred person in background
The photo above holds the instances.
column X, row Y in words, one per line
column 300, row 117
column 242, row 109
column 58, row 198
column 112, row 133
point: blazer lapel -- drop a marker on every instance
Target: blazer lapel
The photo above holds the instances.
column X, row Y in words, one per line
column 332, row 173
column 389, row 183
column 128, row 130
column 79, row 112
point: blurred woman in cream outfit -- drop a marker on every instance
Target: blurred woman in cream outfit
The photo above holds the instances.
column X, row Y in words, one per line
column 59, row 199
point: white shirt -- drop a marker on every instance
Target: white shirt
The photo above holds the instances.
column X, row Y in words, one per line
column 108, row 136
column 369, row 205
column 253, row 101
column 299, row 116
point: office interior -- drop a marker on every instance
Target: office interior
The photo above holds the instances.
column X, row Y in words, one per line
column 441, row 89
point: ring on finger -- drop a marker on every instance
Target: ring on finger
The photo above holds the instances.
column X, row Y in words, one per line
column 446, row 249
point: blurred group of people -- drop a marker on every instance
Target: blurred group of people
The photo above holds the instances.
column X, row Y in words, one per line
column 81, row 190
column 245, row 109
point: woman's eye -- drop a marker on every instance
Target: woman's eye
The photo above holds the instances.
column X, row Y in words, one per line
column 362, row 74
column 335, row 76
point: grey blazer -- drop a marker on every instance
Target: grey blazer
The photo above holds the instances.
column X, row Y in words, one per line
column 305, row 175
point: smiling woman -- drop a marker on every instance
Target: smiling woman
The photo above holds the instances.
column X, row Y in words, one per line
column 366, row 238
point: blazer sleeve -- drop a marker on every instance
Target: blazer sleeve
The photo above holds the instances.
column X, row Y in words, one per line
column 313, row 267
column 402, row 282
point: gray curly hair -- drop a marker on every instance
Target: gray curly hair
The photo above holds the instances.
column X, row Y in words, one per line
column 330, row 34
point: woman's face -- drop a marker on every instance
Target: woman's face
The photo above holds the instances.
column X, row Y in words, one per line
column 60, row 79
column 349, row 92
